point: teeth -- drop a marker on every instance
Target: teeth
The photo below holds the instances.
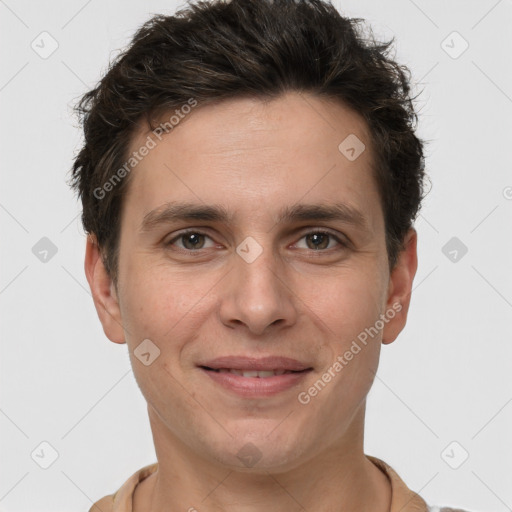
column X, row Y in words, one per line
column 261, row 374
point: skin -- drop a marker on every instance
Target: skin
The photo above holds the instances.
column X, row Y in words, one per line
column 254, row 157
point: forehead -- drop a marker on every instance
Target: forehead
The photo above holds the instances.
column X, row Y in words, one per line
column 252, row 154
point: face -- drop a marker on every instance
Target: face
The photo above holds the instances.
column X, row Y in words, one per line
column 284, row 257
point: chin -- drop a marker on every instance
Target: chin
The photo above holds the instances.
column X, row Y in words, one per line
column 255, row 451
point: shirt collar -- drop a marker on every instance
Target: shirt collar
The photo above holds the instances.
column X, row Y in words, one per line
column 402, row 498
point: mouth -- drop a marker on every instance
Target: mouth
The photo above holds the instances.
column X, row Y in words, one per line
column 255, row 378
column 260, row 374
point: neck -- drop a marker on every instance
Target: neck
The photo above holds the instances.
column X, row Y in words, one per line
column 338, row 479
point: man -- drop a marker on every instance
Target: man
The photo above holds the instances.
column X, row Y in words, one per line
column 249, row 180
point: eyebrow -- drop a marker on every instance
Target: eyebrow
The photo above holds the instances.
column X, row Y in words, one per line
column 183, row 211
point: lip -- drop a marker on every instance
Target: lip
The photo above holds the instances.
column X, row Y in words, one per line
column 256, row 387
column 256, row 363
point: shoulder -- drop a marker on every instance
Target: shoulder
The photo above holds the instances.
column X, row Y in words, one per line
column 121, row 500
column 404, row 499
column 446, row 509
column 106, row 504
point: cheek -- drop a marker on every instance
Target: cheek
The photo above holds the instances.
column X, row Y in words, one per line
column 162, row 305
column 346, row 302
column 151, row 303
column 347, row 309
column 158, row 307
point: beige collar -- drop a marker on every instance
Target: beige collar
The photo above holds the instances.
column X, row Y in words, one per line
column 402, row 498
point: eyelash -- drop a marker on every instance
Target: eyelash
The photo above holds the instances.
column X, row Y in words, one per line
column 322, row 231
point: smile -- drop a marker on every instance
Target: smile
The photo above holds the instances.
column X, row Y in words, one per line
column 255, row 383
column 254, row 373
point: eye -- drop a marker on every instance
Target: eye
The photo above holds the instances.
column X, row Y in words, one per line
column 320, row 240
column 191, row 240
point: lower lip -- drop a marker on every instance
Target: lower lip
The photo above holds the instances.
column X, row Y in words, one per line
column 251, row 387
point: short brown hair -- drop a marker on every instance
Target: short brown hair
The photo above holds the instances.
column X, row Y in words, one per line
column 217, row 50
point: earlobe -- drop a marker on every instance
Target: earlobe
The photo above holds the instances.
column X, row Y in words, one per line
column 103, row 292
column 400, row 287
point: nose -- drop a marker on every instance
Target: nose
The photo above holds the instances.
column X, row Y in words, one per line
column 256, row 295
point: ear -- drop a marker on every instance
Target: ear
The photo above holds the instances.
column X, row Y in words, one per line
column 103, row 292
column 400, row 287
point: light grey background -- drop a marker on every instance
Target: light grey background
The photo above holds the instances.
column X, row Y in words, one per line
column 447, row 377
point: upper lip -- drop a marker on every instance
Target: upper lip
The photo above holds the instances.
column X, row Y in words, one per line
column 255, row 363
